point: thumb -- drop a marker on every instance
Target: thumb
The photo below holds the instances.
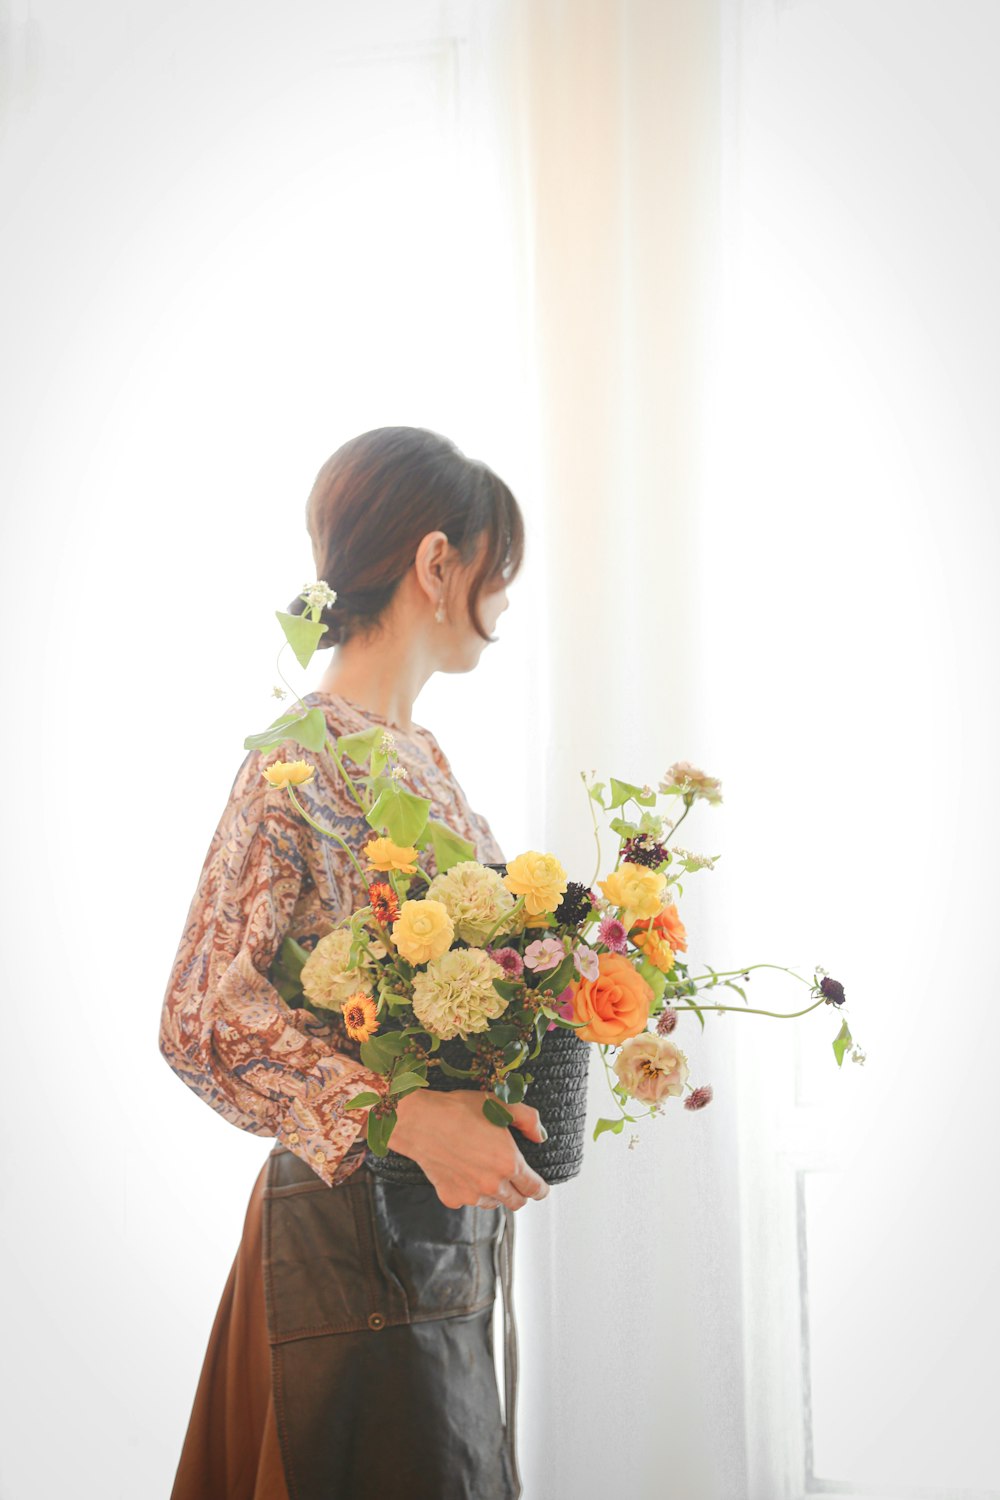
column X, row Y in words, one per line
column 528, row 1121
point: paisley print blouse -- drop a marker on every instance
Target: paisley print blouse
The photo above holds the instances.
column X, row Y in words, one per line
column 225, row 1030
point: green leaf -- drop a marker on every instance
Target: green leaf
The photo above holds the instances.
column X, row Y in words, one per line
column 623, row 828
column 597, row 792
column 502, row 1091
column 379, row 1052
column 358, row 747
column 841, row 1043
column 402, row 814
column 559, row 977
column 615, row 1126
column 380, row 1128
column 307, row 728
column 515, row 1088
column 302, row 634
column 496, row 1113
column 508, row 988
column 449, row 847
column 452, row 1072
column 403, row 1082
column 368, row 1096
column 621, row 791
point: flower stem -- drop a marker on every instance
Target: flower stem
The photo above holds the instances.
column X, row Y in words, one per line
column 503, row 917
column 329, row 832
column 752, row 1010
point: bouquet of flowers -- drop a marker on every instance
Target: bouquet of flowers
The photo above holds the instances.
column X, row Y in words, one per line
column 494, row 958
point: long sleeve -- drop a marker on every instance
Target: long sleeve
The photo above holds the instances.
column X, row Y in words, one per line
column 225, row 1030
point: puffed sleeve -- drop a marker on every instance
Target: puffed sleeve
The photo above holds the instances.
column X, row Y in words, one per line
column 225, row 1030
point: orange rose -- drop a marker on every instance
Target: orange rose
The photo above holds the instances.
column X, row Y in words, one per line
column 667, row 921
column 615, row 1005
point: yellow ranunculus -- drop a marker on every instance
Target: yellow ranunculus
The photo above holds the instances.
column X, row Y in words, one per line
column 635, row 888
column 383, row 854
column 286, row 773
column 424, row 931
column 539, row 878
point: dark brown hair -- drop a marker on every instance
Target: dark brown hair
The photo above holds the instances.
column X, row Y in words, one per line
column 376, row 498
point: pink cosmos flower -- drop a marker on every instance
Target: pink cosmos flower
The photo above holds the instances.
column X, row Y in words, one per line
column 544, row 953
column 509, row 959
column 564, row 1005
column 612, row 934
column 586, row 961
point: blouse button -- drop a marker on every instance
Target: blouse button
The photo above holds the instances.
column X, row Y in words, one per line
column 376, row 1321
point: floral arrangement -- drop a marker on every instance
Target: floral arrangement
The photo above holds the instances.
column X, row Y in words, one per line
column 493, row 960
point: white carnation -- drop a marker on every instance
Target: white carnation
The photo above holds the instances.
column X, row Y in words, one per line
column 327, row 980
column 475, row 898
column 454, row 995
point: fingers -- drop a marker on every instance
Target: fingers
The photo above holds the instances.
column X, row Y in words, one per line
column 528, row 1121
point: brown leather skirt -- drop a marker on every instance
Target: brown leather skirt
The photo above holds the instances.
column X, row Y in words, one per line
column 352, row 1353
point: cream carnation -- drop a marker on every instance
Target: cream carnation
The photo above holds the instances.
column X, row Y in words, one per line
column 327, row 980
column 454, row 995
column 475, row 898
column 651, row 1066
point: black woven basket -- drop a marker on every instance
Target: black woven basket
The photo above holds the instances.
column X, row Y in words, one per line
column 558, row 1091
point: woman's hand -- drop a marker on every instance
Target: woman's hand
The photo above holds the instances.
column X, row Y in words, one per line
column 464, row 1154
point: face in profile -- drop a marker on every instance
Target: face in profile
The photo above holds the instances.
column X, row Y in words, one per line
column 492, row 603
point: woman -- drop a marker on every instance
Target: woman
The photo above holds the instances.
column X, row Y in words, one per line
column 352, row 1352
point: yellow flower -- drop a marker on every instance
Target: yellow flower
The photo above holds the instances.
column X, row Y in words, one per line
column 286, row 773
column 539, row 878
column 424, row 931
column 656, row 950
column 383, row 854
column 359, row 1016
column 635, row 888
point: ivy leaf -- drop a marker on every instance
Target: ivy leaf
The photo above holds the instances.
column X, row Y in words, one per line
column 615, row 1126
column 307, row 729
column 358, row 747
column 302, row 634
column 449, row 847
column 621, row 791
column 841, row 1043
column 597, row 792
column 401, row 813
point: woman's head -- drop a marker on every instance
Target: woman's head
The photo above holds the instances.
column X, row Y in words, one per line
column 373, row 503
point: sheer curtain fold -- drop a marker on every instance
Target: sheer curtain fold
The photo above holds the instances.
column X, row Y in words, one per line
column 630, row 1279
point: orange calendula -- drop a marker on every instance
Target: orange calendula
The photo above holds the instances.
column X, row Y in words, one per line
column 360, row 1017
column 285, row 773
column 382, row 854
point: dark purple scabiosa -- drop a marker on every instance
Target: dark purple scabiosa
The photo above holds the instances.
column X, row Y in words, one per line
column 643, row 849
column 698, row 1098
column 832, row 990
column 666, row 1021
column 576, row 905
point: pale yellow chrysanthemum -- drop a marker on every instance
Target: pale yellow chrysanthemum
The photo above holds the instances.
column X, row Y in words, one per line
column 284, row 773
column 635, row 888
column 539, row 878
column 383, row 854
column 327, row 980
column 423, row 931
column 475, row 898
column 454, row 995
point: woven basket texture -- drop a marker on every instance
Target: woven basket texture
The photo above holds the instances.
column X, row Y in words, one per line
column 558, row 1091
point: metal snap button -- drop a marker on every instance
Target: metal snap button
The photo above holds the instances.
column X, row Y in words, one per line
column 376, row 1321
